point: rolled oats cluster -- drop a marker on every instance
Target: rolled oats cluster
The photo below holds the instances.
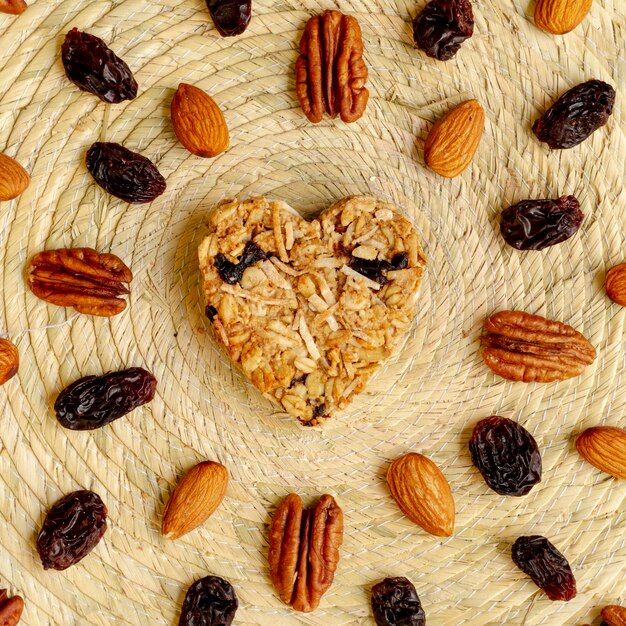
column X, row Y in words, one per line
column 309, row 310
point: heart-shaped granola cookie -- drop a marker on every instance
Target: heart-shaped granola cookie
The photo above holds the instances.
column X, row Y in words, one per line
column 309, row 310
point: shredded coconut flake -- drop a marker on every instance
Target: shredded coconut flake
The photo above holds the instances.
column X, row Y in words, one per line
column 372, row 284
column 283, row 267
column 317, row 303
column 327, row 261
column 309, row 342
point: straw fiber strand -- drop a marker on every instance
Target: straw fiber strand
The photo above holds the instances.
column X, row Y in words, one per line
column 426, row 399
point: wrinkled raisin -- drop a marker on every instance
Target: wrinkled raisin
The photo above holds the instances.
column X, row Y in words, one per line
column 396, row 603
column 374, row 269
column 442, row 26
column 231, row 17
column 92, row 66
column 210, row 311
column 507, row 456
column 125, row 174
column 232, row 273
column 537, row 224
column 95, row 401
column 72, row 529
column 210, row 601
column 576, row 114
column 548, row 568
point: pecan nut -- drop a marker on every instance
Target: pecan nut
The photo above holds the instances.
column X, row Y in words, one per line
column 615, row 284
column 330, row 71
column 304, row 550
column 82, row 278
column 529, row 348
column 10, row 609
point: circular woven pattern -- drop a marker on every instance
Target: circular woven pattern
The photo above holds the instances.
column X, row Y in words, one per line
column 427, row 399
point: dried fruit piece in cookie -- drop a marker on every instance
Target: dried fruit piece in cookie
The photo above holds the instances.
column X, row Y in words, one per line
column 330, row 71
column 125, row 174
column 442, row 26
column 308, row 310
column 537, row 224
column 529, row 348
column 231, row 17
column 88, row 281
column 92, row 66
column 395, row 603
column 210, row 601
column 72, row 529
column 548, row 568
column 304, row 550
column 94, row 401
column 506, row 455
column 576, row 114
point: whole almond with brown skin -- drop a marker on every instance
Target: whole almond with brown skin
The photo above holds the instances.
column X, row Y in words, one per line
column 453, row 140
column 198, row 122
column 13, row 178
column 14, row 7
column 9, row 362
column 614, row 615
column 560, row 16
column 195, row 498
column 10, row 609
column 605, row 448
column 423, row 493
column 615, row 283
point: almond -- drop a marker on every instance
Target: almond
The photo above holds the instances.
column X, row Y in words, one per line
column 14, row 7
column 13, row 177
column 195, row 498
column 453, row 140
column 9, row 360
column 198, row 122
column 614, row 615
column 560, row 16
column 615, row 283
column 423, row 493
column 605, row 448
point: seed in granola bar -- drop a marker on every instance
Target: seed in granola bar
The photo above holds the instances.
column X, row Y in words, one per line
column 232, row 273
column 210, row 312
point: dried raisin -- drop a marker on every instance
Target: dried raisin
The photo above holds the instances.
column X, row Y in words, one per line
column 231, row 17
column 506, row 455
column 92, row 66
column 95, row 401
column 374, row 269
column 548, row 568
column 395, row 603
column 537, row 224
column 442, row 26
column 232, row 273
column 71, row 530
column 125, row 174
column 576, row 114
column 210, row 601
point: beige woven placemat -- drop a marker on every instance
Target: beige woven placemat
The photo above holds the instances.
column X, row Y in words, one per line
column 426, row 400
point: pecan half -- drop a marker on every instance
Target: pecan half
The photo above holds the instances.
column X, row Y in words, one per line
column 330, row 71
column 304, row 550
column 10, row 609
column 82, row 278
column 529, row 348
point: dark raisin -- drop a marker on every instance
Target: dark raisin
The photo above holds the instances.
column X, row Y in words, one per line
column 374, row 269
column 319, row 410
column 232, row 273
column 92, row 66
column 576, row 114
column 537, row 224
column 396, row 603
column 210, row 312
column 210, row 601
column 231, row 17
column 299, row 379
column 548, row 568
column 507, row 456
column 400, row 261
column 125, row 174
column 94, row 401
column 442, row 26
column 72, row 529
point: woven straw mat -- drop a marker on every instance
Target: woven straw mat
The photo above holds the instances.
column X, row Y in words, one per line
column 426, row 399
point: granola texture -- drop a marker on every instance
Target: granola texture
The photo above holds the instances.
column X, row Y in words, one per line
column 305, row 327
